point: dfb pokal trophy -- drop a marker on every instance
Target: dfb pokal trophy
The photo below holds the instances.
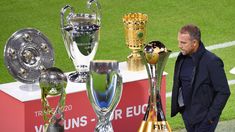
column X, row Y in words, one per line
column 155, row 56
column 27, row 53
column 80, row 33
column 135, row 34
column 53, row 83
column 104, row 89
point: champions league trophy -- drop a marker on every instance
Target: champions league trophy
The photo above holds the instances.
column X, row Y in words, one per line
column 53, row 83
column 28, row 52
column 80, row 33
column 135, row 32
column 155, row 56
column 104, row 89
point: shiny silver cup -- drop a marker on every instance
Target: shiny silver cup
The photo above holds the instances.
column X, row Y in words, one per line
column 26, row 54
column 80, row 32
column 104, row 89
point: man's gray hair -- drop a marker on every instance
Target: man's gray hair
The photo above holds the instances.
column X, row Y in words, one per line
column 192, row 30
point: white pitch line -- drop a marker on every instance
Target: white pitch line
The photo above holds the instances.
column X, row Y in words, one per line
column 222, row 45
column 231, row 82
column 168, row 94
column 211, row 47
column 232, row 71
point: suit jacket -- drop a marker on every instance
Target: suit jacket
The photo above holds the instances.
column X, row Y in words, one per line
column 209, row 84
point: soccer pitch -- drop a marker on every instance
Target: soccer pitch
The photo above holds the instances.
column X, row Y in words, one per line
column 215, row 18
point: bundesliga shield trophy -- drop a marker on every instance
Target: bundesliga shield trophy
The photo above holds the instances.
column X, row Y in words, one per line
column 80, row 33
column 26, row 53
column 104, row 89
column 155, row 56
column 135, row 34
column 53, row 83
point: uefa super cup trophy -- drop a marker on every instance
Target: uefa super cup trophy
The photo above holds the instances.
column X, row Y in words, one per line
column 80, row 33
column 104, row 89
column 155, row 56
column 28, row 52
column 53, row 83
column 135, row 34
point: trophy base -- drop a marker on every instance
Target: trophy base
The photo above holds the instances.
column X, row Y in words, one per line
column 154, row 126
column 53, row 128
column 30, row 87
column 162, row 126
column 104, row 127
column 134, row 62
column 78, row 77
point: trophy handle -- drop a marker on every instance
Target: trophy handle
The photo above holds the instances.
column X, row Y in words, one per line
column 62, row 12
column 97, row 11
column 65, row 28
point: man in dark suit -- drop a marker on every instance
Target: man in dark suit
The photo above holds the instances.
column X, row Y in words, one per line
column 200, row 89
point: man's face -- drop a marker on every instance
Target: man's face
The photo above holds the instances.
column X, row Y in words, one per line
column 185, row 44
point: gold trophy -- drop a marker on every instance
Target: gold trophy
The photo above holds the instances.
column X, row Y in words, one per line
column 155, row 56
column 53, row 83
column 135, row 32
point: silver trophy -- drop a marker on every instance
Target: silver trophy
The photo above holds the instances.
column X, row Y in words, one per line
column 53, row 83
column 80, row 33
column 104, row 89
column 28, row 52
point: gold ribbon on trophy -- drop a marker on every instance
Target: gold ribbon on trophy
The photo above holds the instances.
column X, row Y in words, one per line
column 135, row 32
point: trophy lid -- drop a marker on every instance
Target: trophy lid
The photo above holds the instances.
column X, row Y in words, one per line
column 26, row 53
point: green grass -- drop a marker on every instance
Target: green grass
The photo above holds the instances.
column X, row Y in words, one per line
column 215, row 18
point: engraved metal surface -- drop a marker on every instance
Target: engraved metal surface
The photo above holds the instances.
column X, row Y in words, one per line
column 135, row 34
column 80, row 32
column 26, row 53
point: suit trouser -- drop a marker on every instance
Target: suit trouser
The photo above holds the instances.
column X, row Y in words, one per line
column 203, row 126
